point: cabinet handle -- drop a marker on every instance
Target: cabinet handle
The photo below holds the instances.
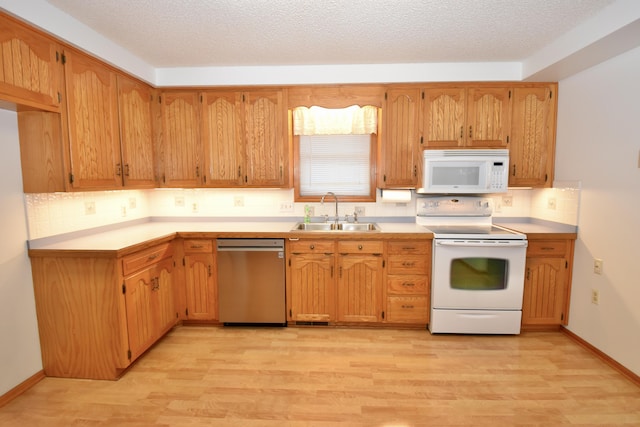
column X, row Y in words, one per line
column 415, row 171
column 209, row 270
column 239, row 172
column 514, row 170
column 198, row 171
column 409, row 284
column 528, row 273
column 408, row 264
column 547, row 248
column 407, row 306
column 461, row 132
column 470, row 132
column 196, row 247
column 408, row 248
column 126, row 169
column 118, row 169
column 152, row 257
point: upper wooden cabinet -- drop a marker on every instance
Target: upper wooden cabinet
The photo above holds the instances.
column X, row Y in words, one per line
column 92, row 112
column 399, row 149
column 222, row 135
column 181, row 143
column 30, row 67
column 466, row 117
column 266, row 139
column 136, row 133
column 245, row 139
column 533, row 137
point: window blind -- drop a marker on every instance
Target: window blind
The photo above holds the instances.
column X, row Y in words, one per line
column 338, row 163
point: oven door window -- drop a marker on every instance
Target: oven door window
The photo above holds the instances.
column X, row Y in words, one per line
column 479, row 274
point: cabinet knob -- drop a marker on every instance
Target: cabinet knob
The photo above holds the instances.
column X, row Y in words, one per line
column 312, row 247
column 360, row 247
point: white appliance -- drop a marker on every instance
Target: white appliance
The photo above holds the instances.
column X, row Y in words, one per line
column 477, row 268
column 465, row 171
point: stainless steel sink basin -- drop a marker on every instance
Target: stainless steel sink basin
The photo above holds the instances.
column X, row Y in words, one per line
column 341, row 226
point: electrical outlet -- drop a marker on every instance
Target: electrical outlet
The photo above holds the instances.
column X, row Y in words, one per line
column 132, row 202
column 89, row 208
column 179, row 201
column 360, row 210
column 194, row 207
column 551, row 203
column 238, row 201
column 597, row 266
column 286, row 207
column 595, row 296
column 507, row 200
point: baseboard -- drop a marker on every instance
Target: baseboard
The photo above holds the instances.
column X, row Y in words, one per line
column 605, row 358
column 21, row 388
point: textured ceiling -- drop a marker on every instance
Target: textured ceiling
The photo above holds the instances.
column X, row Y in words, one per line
column 193, row 33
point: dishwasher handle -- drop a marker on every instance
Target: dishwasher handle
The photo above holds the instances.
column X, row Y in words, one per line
column 252, row 245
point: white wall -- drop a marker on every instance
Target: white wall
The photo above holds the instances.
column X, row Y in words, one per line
column 598, row 143
column 20, row 349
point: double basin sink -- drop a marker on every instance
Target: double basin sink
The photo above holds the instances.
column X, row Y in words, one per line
column 332, row 226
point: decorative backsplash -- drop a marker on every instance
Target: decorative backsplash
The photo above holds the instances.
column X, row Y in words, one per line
column 58, row 213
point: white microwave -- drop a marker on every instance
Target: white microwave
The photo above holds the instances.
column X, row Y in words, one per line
column 465, row 171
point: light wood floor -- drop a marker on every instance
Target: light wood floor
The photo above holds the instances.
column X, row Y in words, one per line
column 209, row 376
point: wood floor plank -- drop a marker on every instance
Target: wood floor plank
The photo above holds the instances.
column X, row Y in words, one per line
column 212, row 376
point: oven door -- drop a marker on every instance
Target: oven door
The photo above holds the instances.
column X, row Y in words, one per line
column 478, row 274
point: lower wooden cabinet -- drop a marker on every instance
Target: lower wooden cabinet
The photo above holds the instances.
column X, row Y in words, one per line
column 311, row 281
column 547, row 283
column 360, row 271
column 358, row 281
column 200, row 280
column 407, row 282
column 97, row 312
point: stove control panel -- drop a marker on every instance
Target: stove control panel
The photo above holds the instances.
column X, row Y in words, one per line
column 454, row 206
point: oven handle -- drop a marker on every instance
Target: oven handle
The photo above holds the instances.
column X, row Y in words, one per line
column 484, row 243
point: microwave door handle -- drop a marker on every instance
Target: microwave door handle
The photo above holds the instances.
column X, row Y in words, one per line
column 478, row 243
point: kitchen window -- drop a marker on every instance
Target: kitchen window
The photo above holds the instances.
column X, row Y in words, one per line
column 335, row 150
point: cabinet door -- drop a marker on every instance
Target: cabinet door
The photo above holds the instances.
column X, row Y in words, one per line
column 266, row 141
column 444, row 117
column 166, row 316
column 139, row 301
column 93, row 124
column 312, row 287
column 544, row 291
column 222, row 136
column 136, row 134
column 29, row 65
column 359, row 288
column 488, row 117
column 400, row 140
column 181, row 139
column 532, row 142
column 200, row 287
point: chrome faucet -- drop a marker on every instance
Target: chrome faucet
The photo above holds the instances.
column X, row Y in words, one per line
column 335, row 198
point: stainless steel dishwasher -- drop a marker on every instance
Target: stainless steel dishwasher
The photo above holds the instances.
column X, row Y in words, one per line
column 251, row 283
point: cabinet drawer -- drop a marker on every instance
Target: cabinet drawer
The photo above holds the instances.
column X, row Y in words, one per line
column 139, row 260
column 408, row 309
column 198, row 246
column 311, row 246
column 361, row 247
column 409, row 248
column 547, row 247
column 409, row 264
column 407, row 284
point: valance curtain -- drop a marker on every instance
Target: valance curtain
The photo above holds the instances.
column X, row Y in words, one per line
column 353, row 120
